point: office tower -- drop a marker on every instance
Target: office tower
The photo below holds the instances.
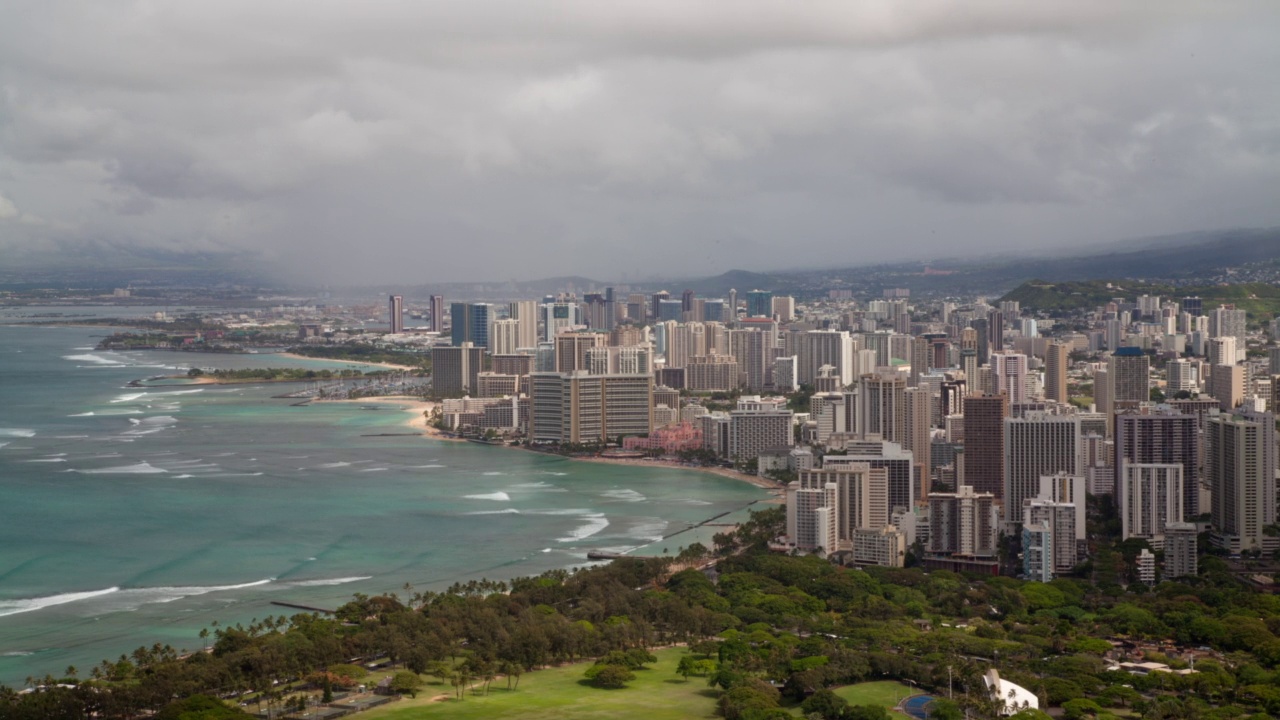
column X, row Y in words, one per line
column 437, row 313
column 685, row 341
column 921, row 354
column 576, row 407
column 558, row 316
column 995, row 330
column 614, row 360
column 713, row 310
column 454, row 369
column 1113, row 331
column 670, row 310
column 1029, row 328
column 472, row 322
column 1010, row 371
column 571, row 350
column 1193, row 306
column 1181, row 377
column 1240, row 468
column 882, row 407
column 506, row 337
column 686, row 301
column 754, row 353
column 733, row 306
column 784, row 308
column 1049, row 543
column 626, row 336
column 1226, row 385
column 594, row 311
column 811, row 522
column 984, row 448
column 1227, row 321
column 512, row 364
column 1129, row 372
column 525, row 313
column 610, row 309
column 711, row 373
column 982, row 334
column 1151, row 496
column 637, row 311
column 756, row 425
column 964, row 522
column 759, row 303
column 890, row 456
column 826, row 347
column 918, row 403
column 1155, row 438
column 655, row 302
column 1036, row 445
column 395, row 310
column 939, row 352
column 1180, row 550
column 1055, row 372
column 1222, row 350
column 1102, row 392
column 1068, row 489
column 861, row 496
column 784, row 374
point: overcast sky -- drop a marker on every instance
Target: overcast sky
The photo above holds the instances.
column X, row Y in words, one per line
column 491, row 140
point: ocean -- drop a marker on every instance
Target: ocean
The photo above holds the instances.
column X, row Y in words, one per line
column 135, row 516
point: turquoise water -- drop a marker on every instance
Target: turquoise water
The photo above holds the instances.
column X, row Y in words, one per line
column 140, row 515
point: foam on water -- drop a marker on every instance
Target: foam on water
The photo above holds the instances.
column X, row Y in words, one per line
column 333, row 581
column 48, row 460
column 377, row 469
column 627, row 495
column 507, row 511
column 17, row 432
column 142, row 468
column 494, row 472
column 95, row 359
column 332, row 465
column 489, row 496
column 595, row 522
column 649, row 529
column 14, row 607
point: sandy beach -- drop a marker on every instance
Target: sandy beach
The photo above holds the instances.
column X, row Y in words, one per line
column 415, row 406
column 389, row 366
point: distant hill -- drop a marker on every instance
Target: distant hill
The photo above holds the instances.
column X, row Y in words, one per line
column 1261, row 300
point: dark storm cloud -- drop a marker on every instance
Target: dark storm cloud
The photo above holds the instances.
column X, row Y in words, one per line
column 416, row 140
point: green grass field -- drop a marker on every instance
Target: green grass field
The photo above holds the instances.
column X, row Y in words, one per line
column 556, row 693
column 561, row 693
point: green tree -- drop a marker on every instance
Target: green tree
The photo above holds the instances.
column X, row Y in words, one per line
column 406, row 683
column 610, row 677
column 825, row 703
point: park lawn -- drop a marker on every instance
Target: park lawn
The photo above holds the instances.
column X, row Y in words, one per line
column 885, row 693
column 561, row 693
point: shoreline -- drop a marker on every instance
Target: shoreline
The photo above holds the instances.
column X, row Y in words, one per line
column 390, row 366
column 415, row 406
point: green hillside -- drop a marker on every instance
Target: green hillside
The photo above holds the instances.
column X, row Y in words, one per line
column 1260, row 300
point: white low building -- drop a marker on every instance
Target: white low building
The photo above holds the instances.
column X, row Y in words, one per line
column 1015, row 698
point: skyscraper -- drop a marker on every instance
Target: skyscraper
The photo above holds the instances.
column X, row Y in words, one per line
column 1150, row 498
column 984, row 443
column 1055, row 372
column 759, row 303
column 471, row 323
column 525, row 312
column 437, row 313
column 1011, row 374
column 1129, row 372
column 1160, row 437
column 882, row 406
column 455, row 369
column 571, row 350
column 395, row 311
column 826, row 347
column 576, row 407
column 1035, row 445
column 1240, row 467
column 505, row 336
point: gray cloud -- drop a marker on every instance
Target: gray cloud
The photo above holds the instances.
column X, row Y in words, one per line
column 428, row 141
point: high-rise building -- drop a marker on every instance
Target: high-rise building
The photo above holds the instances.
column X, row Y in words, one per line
column 889, row 456
column 1049, row 542
column 1228, row 321
column 614, row 360
column 1055, row 372
column 921, row 357
column 506, row 336
column 759, row 303
column 882, row 407
column 753, row 349
column 711, row 373
column 964, row 522
column 784, row 374
column 525, row 312
column 756, row 425
column 1182, row 377
column 1011, row 375
column 1240, row 468
column 454, row 369
column 1193, row 306
column 395, row 310
column 1180, row 550
column 571, row 350
column 984, row 447
column 472, row 322
column 1151, row 496
column 437, row 313
column 686, row 301
column 1129, row 372
column 1035, row 445
column 862, row 496
column 1226, row 385
column 918, row 403
column 577, row 407
column 784, row 308
column 811, row 517
column 1160, row 437
column 1071, row 490
column 826, row 347
column 558, row 316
